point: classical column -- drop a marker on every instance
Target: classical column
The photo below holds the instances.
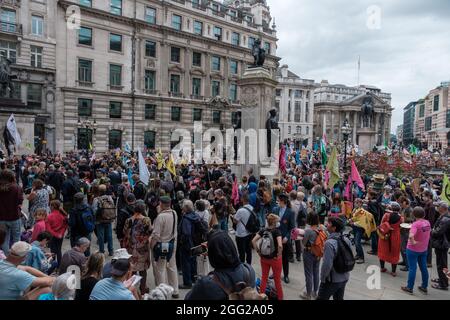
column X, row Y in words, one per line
column 355, row 120
column 208, row 75
column 332, row 124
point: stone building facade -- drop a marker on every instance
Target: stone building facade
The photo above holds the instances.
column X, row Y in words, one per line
column 137, row 70
column 432, row 126
column 367, row 109
column 28, row 40
column 295, row 104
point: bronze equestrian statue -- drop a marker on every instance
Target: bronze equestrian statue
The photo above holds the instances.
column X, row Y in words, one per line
column 259, row 54
column 6, row 78
column 367, row 110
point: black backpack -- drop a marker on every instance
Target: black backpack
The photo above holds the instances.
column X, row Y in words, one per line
column 252, row 224
column 345, row 260
column 200, row 232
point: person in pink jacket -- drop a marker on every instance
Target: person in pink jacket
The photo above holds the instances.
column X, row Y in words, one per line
column 57, row 225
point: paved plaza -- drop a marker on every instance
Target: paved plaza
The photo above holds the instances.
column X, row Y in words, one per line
column 356, row 288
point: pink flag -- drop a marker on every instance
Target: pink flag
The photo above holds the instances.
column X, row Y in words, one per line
column 324, row 137
column 235, row 193
column 356, row 177
column 327, row 176
column 283, row 159
column 348, row 189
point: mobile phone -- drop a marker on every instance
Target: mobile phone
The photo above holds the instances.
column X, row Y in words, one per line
column 199, row 250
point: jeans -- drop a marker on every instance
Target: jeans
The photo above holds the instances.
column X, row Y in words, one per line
column 359, row 233
column 286, row 254
column 104, row 234
column 275, row 265
column 404, row 238
column 55, row 247
column 441, row 263
column 374, row 241
column 329, row 289
column 298, row 249
column 262, row 219
column 244, row 246
column 13, row 229
column 188, row 267
column 223, row 224
column 415, row 258
column 312, row 277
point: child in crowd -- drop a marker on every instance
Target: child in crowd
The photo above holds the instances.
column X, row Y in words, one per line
column 39, row 226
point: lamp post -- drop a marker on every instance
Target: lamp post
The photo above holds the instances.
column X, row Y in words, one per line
column 346, row 131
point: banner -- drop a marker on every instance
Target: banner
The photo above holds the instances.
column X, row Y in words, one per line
column 144, row 174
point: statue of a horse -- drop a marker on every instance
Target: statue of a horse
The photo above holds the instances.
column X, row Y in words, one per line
column 259, row 54
column 367, row 110
column 6, row 78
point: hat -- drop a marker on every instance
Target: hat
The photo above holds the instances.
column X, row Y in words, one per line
column 441, row 204
column 395, row 206
column 20, row 249
column 121, row 254
column 120, row 267
column 165, row 200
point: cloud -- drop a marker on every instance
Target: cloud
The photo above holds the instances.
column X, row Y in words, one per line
column 407, row 56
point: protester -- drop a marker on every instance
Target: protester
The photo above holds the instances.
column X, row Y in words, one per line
column 270, row 252
column 57, row 224
column 114, row 288
column 123, row 214
column 18, row 284
column 61, row 289
column 165, row 234
column 137, row 231
column 440, row 242
column 39, row 199
column 75, row 256
column 228, row 270
column 408, row 219
column 92, row 275
column 243, row 236
column 333, row 281
column 417, row 251
column 38, row 258
column 314, row 243
column 11, row 198
column 81, row 220
column 104, row 210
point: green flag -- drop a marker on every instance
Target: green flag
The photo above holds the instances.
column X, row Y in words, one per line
column 333, row 168
column 445, row 195
column 323, row 152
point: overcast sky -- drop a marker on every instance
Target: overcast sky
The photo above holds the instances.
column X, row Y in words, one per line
column 407, row 56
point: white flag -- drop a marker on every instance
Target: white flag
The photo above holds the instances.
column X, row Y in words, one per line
column 144, row 174
column 12, row 128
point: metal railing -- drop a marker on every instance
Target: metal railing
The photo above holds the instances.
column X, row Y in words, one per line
column 9, row 27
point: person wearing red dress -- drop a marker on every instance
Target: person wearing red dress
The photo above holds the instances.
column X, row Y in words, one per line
column 389, row 249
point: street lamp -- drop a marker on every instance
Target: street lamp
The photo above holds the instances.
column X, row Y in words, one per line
column 346, row 131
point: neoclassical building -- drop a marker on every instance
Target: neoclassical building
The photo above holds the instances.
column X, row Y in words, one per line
column 367, row 109
column 294, row 102
column 28, row 40
column 134, row 71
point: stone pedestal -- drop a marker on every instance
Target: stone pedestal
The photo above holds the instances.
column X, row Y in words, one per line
column 257, row 88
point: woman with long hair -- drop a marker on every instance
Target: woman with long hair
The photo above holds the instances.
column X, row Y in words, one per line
column 92, row 275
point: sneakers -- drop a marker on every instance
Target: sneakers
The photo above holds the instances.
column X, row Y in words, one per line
column 423, row 290
column 305, row 296
column 360, row 261
column 372, row 253
column 286, row 279
column 407, row 290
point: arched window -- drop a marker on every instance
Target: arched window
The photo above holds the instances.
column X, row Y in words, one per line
column 115, row 139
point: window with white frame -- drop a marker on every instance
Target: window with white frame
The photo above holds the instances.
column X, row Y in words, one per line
column 36, row 56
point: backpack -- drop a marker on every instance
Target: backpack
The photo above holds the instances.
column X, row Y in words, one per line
column 106, row 209
column 384, row 231
column 344, row 260
column 267, row 244
column 242, row 291
column 317, row 248
column 200, row 232
column 87, row 223
column 252, row 224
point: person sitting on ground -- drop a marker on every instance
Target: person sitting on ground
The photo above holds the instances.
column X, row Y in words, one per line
column 61, row 289
column 228, row 270
column 75, row 256
column 92, row 275
column 38, row 258
column 17, row 282
column 118, row 254
column 114, row 288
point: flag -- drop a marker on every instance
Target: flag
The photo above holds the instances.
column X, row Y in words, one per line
column 445, row 195
column 159, row 160
column 348, row 189
column 144, row 174
column 333, row 168
column 323, row 152
column 324, row 138
column 93, row 157
column 170, row 165
column 127, row 148
column 283, row 159
column 130, row 177
column 402, row 186
column 235, row 192
column 90, row 146
column 355, row 176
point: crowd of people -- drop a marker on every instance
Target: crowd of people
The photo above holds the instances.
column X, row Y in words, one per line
column 205, row 225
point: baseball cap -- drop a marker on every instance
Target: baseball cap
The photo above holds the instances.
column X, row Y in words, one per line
column 121, row 254
column 20, row 249
column 120, row 267
column 441, row 204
